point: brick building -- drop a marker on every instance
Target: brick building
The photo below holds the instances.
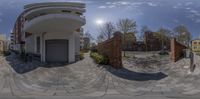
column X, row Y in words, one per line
column 153, row 41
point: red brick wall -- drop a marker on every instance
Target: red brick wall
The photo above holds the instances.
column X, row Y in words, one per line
column 112, row 49
column 176, row 50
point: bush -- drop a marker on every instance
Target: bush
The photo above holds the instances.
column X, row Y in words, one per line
column 81, row 55
column 99, row 59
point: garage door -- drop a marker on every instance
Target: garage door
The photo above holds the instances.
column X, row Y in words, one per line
column 56, row 50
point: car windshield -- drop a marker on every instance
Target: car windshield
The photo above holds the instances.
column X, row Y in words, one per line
column 99, row 49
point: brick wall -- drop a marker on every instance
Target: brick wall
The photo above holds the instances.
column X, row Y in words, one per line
column 176, row 50
column 112, row 49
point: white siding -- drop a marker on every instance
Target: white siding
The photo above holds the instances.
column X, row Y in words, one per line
column 77, row 42
column 29, row 45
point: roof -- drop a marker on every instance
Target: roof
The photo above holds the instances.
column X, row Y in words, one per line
column 196, row 40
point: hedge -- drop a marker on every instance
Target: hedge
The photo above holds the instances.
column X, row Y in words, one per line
column 99, row 59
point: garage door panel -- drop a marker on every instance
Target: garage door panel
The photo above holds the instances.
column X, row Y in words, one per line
column 57, row 50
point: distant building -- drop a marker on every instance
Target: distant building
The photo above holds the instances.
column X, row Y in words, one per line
column 153, row 41
column 86, row 43
column 196, row 45
column 139, row 46
column 81, row 39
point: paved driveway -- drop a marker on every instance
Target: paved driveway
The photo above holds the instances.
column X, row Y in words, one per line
column 85, row 78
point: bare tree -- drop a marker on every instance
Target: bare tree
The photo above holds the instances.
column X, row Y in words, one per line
column 126, row 26
column 107, row 30
column 182, row 34
column 100, row 38
column 144, row 29
column 164, row 34
column 88, row 35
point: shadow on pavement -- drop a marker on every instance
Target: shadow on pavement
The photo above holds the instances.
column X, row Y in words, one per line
column 137, row 76
column 20, row 66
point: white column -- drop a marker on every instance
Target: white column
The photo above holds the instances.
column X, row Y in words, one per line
column 72, row 48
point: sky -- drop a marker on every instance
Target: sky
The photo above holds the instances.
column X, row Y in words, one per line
column 153, row 13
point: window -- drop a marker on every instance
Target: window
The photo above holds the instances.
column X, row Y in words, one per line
column 195, row 42
column 79, row 13
column 41, row 14
column 66, row 11
column 38, row 44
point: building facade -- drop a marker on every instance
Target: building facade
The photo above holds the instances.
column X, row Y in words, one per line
column 153, row 42
column 81, row 39
column 50, row 31
column 196, row 45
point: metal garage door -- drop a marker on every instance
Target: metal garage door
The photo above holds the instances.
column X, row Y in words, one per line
column 56, row 50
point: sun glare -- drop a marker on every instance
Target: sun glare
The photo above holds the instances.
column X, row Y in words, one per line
column 99, row 22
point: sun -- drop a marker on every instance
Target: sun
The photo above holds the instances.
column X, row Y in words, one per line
column 99, row 22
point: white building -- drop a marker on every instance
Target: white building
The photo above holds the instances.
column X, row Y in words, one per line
column 50, row 30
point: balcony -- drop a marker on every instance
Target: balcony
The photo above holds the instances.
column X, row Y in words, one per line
column 62, row 22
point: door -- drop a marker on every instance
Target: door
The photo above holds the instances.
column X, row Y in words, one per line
column 56, row 51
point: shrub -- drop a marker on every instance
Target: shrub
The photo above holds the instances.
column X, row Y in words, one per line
column 81, row 55
column 99, row 59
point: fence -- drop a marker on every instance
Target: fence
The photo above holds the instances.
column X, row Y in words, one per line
column 112, row 49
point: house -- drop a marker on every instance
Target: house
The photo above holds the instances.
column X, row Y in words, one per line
column 2, row 43
column 196, row 45
column 50, row 31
